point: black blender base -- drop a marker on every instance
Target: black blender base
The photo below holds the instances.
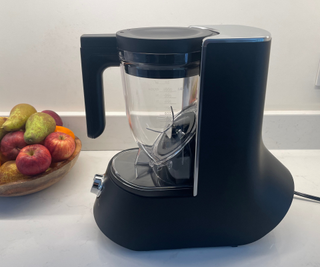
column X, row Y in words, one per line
column 231, row 214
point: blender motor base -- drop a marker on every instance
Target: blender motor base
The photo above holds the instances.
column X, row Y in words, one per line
column 224, row 217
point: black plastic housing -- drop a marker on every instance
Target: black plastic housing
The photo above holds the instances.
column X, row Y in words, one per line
column 98, row 52
column 243, row 190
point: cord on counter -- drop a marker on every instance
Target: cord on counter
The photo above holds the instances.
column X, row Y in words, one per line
column 307, row 196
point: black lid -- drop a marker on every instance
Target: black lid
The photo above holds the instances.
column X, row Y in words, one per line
column 162, row 39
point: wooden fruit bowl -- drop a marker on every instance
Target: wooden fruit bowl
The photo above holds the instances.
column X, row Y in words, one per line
column 39, row 182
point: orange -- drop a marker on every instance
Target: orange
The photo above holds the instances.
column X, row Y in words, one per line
column 65, row 130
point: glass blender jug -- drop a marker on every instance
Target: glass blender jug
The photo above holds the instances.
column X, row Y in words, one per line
column 160, row 72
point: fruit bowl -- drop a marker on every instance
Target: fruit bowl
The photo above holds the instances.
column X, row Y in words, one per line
column 42, row 181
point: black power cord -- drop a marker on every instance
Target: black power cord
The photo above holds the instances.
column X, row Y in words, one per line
column 306, row 196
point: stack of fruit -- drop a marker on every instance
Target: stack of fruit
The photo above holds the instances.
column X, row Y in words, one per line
column 31, row 142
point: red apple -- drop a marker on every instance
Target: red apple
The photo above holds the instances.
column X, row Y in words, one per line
column 55, row 116
column 33, row 159
column 60, row 145
column 11, row 144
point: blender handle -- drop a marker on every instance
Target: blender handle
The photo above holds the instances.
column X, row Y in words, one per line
column 98, row 52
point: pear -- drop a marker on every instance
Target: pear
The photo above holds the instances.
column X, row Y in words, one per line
column 38, row 127
column 10, row 173
column 18, row 117
column 2, row 131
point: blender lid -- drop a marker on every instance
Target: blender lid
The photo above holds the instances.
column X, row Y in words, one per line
column 162, row 39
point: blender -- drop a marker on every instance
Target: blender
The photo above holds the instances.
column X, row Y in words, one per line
column 200, row 175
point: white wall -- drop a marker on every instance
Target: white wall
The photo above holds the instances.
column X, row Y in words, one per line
column 40, row 40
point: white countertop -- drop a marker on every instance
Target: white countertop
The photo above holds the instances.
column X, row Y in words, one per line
column 55, row 227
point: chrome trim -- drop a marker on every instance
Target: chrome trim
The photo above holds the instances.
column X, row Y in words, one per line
column 97, row 186
column 197, row 133
column 234, row 33
column 196, row 160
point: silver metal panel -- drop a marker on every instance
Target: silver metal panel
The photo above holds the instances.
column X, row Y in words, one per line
column 235, row 33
